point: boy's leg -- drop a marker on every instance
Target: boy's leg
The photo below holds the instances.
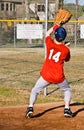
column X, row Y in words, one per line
column 67, row 97
column 39, row 86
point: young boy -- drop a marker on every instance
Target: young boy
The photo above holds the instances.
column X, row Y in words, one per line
column 52, row 70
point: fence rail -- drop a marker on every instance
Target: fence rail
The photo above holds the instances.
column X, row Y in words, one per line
column 9, row 31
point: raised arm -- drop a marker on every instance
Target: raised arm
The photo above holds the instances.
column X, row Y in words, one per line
column 52, row 29
column 49, row 32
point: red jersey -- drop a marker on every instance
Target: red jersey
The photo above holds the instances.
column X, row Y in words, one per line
column 52, row 70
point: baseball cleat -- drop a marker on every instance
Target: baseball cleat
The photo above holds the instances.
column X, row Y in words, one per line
column 29, row 112
column 67, row 112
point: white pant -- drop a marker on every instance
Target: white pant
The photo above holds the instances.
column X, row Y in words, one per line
column 41, row 84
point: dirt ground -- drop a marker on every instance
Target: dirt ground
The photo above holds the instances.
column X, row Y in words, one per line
column 46, row 117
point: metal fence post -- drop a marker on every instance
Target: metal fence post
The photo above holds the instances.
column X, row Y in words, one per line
column 75, row 34
column 46, row 26
column 14, row 35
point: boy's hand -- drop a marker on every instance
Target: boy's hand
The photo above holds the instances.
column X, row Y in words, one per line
column 67, row 44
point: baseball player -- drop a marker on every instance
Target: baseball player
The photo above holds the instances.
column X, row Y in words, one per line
column 52, row 69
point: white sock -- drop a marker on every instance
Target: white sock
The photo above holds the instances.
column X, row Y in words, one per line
column 30, row 105
column 67, row 107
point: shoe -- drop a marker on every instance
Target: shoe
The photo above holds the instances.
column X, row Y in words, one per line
column 67, row 112
column 29, row 112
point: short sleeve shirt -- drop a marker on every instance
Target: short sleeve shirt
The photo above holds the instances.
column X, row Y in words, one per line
column 52, row 69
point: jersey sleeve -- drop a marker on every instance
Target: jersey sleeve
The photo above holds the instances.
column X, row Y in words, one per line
column 49, row 42
column 68, row 56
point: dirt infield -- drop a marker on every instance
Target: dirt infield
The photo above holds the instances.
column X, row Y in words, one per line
column 46, row 117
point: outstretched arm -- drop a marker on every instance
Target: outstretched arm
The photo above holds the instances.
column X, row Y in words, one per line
column 49, row 32
column 52, row 29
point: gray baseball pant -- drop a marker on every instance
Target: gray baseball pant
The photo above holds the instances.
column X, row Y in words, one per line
column 41, row 84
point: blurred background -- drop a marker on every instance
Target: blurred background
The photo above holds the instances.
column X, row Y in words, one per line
column 33, row 12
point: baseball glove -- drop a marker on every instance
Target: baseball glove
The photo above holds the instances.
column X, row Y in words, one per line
column 62, row 16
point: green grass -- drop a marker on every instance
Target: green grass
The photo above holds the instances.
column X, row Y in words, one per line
column 20, row 69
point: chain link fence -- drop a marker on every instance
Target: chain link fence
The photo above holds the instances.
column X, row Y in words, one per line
column 8, row 38
column 8, row 30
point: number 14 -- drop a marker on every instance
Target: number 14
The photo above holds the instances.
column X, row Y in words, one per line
column 55, row 57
